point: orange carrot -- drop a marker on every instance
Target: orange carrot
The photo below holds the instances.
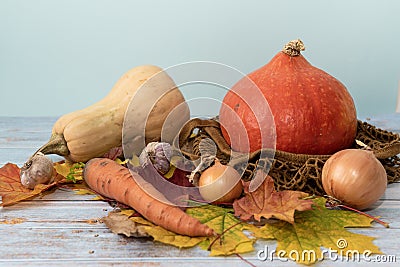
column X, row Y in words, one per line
column 114, row 181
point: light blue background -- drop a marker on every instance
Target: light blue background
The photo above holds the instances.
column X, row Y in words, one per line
column 59, row 56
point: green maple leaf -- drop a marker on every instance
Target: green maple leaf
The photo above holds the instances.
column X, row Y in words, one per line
column 320, row 227
column 223, row 221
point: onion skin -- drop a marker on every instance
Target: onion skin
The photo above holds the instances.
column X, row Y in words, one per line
column 220, row 184
column 355, row 177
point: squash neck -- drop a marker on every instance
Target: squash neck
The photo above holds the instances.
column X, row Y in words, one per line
column 56, row 145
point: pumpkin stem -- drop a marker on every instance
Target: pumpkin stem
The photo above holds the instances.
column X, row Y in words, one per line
column 293, row 48
column 56, row 145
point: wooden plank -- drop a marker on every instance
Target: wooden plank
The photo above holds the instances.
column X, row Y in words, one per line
column 82, row 207
column 61, row 244
column 20, row 137
column 15, row 155
column 392, row 192
column 62, row 194
column 34, row 214
column 388, row 211
column 45, row 225
column 19, row 140
column 19, row 156
column 24, row 133
column 85, row 245
column 26, row 123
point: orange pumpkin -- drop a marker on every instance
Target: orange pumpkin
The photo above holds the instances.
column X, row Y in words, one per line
column 313, row 112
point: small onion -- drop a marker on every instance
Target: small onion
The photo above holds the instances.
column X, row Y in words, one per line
column 220, row 184
column 355, row 177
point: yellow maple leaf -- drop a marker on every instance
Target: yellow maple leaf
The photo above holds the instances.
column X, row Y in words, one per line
column 62, row 168
column 167, row 237
column 71, row 171
column 317, row 228
column 223, row 221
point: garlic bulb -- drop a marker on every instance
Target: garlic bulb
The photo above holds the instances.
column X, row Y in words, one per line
column 157, row 153
column 37, row 170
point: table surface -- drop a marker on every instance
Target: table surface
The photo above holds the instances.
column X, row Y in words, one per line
column 63, row 228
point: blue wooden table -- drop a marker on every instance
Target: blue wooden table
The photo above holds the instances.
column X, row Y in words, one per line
column 64, row 229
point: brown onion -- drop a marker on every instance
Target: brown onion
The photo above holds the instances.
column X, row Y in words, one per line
column 355, row 177
column 220, row 184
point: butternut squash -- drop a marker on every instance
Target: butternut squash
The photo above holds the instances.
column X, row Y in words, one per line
column 91, row 132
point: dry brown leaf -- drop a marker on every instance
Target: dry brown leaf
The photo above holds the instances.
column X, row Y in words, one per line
column 266, row 202
column 114, row 153
column 119, row 223
column 127, row 223
column 11, row 189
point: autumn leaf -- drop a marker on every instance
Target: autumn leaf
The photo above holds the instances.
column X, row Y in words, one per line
column 73, row 174
column 301, row 241
column 320, row 227
column 83, row 189
column 223, row 221
column 179, row 177
column 71, row 171
column 124, row 222
column 120, row 223
column 63, row 168
column 170, row 172
column 167, row 237
column 266, row 202
column 11, row 189
column 114, row 153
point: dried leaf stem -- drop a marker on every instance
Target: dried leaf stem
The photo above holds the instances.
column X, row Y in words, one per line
column 333, row 202
column 219, row 236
